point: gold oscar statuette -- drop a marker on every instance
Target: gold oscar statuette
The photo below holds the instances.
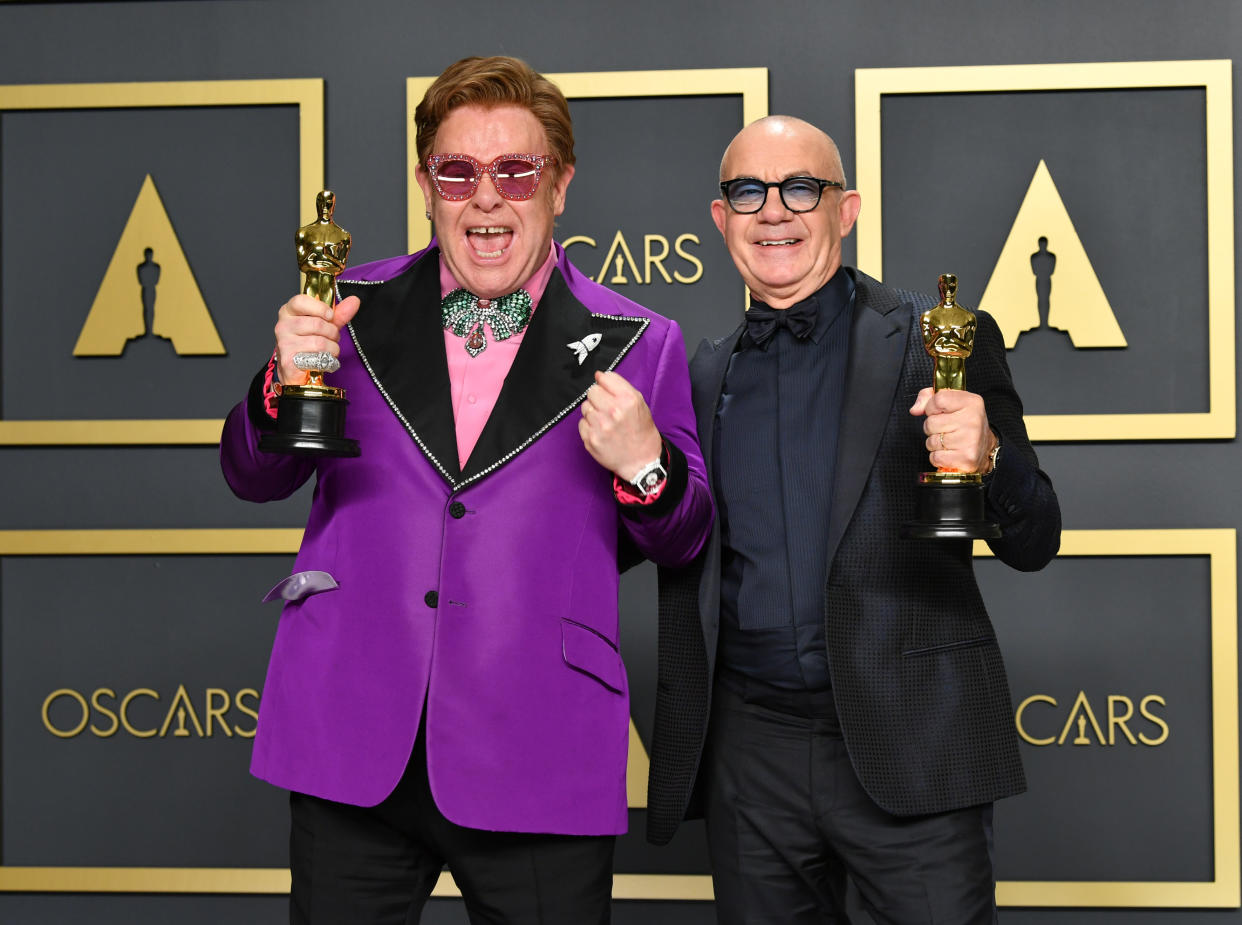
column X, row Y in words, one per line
column 950, row 503
column 310, row 418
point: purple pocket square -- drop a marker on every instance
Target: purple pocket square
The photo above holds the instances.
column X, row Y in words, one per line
column 300, row 585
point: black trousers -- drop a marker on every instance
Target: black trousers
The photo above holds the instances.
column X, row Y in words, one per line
column 788, row 822
column 356, row 865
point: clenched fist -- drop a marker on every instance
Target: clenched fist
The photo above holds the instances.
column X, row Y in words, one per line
column 616, row 426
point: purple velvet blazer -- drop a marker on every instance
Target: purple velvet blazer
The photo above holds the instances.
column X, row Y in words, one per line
column 482, row 599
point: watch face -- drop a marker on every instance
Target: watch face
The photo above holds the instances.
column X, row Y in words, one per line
column 650, row 478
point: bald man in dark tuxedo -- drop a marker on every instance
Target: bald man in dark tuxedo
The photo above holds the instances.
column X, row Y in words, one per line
column 831, row 694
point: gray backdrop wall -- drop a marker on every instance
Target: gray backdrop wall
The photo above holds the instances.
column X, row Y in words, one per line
column 1122, row 650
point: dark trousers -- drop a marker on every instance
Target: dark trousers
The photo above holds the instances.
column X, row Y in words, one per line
column 788, row 822
column 377, row 865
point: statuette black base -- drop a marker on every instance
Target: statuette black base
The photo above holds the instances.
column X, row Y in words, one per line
column 310, row 422
column 951, row 506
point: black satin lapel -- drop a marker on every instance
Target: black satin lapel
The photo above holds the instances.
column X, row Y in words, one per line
column 707, row 374
column 546, row 381
column 399, row 337
column 877, row 350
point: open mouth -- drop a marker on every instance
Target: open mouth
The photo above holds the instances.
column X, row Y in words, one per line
column 782, row 242
column 489, row 241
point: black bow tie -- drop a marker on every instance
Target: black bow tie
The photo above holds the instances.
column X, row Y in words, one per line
column 762, row 322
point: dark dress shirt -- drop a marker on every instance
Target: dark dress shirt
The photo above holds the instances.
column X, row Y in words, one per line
column 776, row 433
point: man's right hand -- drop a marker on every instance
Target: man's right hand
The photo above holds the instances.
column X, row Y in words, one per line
column 306, row 325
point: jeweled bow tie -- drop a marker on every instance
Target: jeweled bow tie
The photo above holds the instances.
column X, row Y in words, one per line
column 762, row 322
column 465, row 313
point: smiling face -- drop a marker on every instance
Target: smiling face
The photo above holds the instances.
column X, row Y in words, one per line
column 785, row 256
column 491, row 244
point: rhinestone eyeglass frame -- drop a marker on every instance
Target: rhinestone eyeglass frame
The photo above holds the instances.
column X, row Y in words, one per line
column 537, row 161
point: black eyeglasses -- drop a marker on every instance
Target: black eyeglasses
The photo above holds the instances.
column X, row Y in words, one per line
column 746, row 195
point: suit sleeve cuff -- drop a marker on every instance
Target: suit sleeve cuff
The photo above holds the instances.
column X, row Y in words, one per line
column 1010, row 485
column 669, row 496
column 261, row 400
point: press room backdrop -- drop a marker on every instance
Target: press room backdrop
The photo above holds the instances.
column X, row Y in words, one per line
column 1072, row 163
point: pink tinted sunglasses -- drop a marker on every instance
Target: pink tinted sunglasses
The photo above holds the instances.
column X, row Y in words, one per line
column 515, row 176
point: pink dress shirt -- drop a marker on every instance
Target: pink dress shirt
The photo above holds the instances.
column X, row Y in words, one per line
column 475, row 381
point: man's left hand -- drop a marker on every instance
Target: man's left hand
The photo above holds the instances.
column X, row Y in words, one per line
column 616, row 426
column 956, row 424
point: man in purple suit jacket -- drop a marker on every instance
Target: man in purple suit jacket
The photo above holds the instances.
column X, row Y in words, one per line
column 445, row 685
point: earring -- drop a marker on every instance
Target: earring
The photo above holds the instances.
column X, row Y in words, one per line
column 428, row 214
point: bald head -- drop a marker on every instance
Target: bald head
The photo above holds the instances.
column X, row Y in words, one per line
column 774, row 133
column 785, row 255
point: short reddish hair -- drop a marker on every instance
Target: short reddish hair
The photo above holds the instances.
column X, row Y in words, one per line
column 496, row 81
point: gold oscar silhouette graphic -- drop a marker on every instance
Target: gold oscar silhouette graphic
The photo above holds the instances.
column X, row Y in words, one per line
column 310, row 418
column 950, row 503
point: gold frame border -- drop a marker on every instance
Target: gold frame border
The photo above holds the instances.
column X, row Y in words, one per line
column 1222, row 892
column 1215, row 77
column 1219, row 545
column 307, row 94
column 751, row 83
